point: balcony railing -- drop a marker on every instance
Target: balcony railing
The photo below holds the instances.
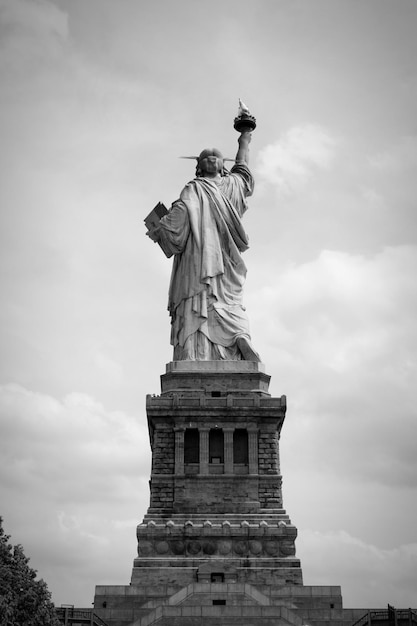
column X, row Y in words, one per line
column 391, row 616
column 78, row 616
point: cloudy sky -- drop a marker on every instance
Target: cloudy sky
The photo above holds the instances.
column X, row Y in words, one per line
column 98, row 101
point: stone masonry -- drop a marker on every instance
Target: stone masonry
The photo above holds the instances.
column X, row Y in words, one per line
column 216, row 543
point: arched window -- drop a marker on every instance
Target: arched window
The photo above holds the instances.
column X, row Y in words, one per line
column 216, row 445
column 191, row 445
column 240, row 446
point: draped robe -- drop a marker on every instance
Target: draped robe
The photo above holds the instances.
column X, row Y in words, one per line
column 204, row 232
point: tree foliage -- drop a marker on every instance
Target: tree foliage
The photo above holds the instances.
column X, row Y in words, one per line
column 24, row 601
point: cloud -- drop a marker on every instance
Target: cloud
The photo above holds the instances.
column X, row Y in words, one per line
column 385, row 575
column 342, row 330
column 34, row 41
column 84, row 471
column 111, row 369
column 74, row 193
column 71, row 440
column 400, row 157
column 291, row 162
column 35, row 19
column 349, row 307
column 93, row 121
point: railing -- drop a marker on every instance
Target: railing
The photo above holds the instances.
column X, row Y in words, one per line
column 406, row 614
column 391, row 615
column 78, row 616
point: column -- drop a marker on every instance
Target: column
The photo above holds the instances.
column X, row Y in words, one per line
column 228, row 450
column 204, row 450
column 179, row 450
column 253, row 451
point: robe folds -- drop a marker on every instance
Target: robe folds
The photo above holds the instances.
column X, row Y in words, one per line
column 204, row 233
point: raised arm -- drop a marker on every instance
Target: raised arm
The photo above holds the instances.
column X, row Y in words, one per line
column 243, row 151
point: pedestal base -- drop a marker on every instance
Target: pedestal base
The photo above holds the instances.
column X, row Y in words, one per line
column 216, row 545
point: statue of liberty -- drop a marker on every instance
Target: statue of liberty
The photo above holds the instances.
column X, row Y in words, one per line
column 203, row 231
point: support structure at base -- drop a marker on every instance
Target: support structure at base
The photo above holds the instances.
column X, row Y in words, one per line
column 216, row 543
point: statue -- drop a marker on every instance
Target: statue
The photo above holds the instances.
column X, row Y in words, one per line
column 203, row 231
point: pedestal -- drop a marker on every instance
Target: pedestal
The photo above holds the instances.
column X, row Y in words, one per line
column 216, row 541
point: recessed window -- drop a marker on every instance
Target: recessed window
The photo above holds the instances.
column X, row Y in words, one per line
column 216, row 445
column 217, row 577
column 240, row 446
column 219, row 602
column 191, row 445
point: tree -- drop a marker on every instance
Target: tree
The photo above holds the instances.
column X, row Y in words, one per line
column 24, row 601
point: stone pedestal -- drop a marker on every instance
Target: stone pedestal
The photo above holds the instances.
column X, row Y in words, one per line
column 216, row 541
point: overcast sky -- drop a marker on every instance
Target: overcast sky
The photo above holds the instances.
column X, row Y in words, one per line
column 99, row 98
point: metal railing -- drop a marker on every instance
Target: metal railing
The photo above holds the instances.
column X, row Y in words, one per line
column 393, row 616
column 78, row 616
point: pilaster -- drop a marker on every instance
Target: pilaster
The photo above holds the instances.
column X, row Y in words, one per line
column 228, row 450
column 204, row 450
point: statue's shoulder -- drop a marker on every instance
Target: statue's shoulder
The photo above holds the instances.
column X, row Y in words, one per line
column 240, row 167
column 241, row 171
column 192, row 184
column 190, row 191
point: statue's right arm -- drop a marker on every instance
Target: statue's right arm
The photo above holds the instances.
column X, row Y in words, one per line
column 243, row 151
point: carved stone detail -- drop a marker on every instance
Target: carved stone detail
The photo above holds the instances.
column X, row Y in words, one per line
column 210, row 546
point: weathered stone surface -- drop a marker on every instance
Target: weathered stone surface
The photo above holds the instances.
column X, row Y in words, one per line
column 189, row 377
column 216, row 544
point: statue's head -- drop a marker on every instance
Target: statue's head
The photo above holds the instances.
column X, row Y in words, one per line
column 209, row 163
